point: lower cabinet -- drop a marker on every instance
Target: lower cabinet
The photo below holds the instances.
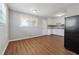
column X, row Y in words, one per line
column 56, row 32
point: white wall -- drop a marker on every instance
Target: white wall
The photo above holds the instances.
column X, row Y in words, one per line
column 4, row 29
column 73, row 10
column 17, row 32
column 45, row 26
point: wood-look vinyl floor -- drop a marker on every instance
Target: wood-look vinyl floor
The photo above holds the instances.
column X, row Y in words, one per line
column 43, row 45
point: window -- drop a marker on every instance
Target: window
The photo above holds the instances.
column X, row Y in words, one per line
column 1, row 14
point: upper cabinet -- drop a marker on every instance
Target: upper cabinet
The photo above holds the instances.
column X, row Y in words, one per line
column 56, row 21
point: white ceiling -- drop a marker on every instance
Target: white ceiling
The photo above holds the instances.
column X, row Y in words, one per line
column 46, row 9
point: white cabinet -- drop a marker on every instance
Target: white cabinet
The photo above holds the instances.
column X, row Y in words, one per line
column 51, row 22
column 56, row 21
column 59, row 32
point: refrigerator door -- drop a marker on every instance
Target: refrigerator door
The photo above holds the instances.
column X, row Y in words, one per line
column 71, row 41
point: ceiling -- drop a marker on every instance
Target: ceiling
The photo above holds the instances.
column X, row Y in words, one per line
column 45, row 9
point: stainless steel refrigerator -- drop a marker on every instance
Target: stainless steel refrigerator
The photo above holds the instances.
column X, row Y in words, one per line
column 71, row 41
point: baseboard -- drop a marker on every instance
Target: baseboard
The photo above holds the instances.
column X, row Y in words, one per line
column 26, row 38
column 57, row 35
column 5, row 47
